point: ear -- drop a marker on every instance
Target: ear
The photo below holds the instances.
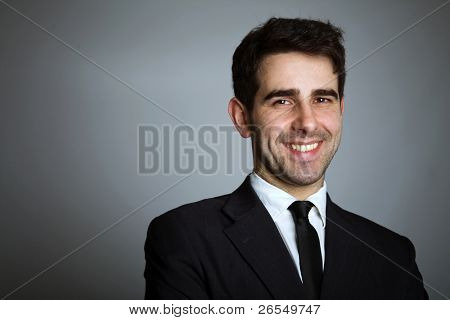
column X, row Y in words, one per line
column 240, row 117
column 342, row 105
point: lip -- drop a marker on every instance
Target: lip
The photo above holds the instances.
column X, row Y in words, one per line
column 308, row 155
column 303, row 142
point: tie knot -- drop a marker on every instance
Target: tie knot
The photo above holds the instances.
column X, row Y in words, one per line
column 300, row 209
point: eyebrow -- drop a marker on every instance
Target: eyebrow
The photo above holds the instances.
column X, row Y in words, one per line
column 296, row 92
column 282, row 93
column 325, row 92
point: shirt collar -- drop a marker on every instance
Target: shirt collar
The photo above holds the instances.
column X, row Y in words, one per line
column 278, row 201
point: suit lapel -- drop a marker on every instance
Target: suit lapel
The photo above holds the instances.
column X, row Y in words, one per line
column 341, row 253
column 256, row 237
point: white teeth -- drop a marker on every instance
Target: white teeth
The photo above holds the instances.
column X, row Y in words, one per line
column 304, row 147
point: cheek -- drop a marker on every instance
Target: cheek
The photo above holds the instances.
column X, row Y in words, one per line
column 270, row 126
column 332, row 122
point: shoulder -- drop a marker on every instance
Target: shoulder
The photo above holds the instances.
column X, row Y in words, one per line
column 373, row 228
column 191, row 215
column 375, row 235
column 388, row 253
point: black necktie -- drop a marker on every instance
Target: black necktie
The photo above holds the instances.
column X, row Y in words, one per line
column 309, row 249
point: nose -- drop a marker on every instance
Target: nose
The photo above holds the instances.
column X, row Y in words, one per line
column 304, row 119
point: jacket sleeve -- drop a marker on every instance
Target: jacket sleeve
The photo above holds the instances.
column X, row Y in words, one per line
column 414, row 289
column 173, row 270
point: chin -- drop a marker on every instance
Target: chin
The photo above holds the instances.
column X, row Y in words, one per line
column 300, row 180
column 304, row 181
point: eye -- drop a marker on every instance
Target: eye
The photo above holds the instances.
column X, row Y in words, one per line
column 282, row 102
column 322, row 100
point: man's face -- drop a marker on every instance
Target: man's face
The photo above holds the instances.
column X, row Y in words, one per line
column 298, row 114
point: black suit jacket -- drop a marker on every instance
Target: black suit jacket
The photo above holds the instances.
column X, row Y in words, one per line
column 228, row 247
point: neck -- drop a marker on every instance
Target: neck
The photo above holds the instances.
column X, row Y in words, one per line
column 300, row 192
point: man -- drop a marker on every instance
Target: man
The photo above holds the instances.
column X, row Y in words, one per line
column 279, row 235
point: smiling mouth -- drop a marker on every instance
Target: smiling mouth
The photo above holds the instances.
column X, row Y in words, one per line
column 303, row 147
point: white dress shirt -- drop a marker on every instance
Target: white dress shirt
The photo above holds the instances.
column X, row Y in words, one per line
column 277, row 202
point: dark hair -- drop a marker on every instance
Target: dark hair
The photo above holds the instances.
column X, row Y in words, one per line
column 280, row 35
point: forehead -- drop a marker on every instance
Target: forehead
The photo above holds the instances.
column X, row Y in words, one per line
column 296, row 70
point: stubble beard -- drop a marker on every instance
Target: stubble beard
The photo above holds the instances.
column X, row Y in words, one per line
column 282, row 168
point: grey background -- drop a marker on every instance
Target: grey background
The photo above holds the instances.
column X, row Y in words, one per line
column 68, row 160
